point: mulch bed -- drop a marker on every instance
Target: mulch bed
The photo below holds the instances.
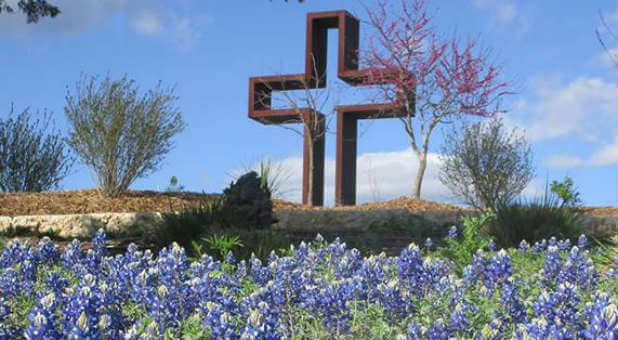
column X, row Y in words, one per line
column 93, row 201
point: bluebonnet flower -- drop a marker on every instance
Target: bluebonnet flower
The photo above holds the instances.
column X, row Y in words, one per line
column 4, row 308
column 437, row 331
column 511, row 302
column 491, row 245
column 262, row 324
column 459, row 321
column 582, row 241
column 47, row 251
column 564, row 244
column 559, row 307
column 523, row 246
column 81, row 317
column 602, row 317
column 539, row 246
column 415, row 332
column 499, row 267
column 42, row 320
column 72, row 257
column 452, row 233
column 428, row 243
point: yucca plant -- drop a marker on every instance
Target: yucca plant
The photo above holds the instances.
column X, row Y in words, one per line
column 536, row 219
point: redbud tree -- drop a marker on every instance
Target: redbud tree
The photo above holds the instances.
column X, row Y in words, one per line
column 431, row 79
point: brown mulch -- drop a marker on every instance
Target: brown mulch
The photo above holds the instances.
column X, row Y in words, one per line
column 92, row 201
column 398, row 203
column 600, row 211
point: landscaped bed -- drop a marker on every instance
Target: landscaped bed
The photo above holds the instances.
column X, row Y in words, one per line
column 314, row 291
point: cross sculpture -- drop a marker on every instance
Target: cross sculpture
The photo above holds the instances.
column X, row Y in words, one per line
column 260, row 109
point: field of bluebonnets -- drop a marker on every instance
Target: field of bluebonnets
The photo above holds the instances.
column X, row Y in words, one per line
column 318, row 290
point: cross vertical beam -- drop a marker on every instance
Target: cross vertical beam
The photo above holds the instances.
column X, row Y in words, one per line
column 345, row 164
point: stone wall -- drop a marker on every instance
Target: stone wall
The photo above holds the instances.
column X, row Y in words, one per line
column 291, row 221
column 84, row 225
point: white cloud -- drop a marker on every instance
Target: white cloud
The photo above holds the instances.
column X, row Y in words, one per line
column 379, row 176
column 564, row 162
column 585, row 108
column 518, row 16
column 173, row 24
column 147, row 21
column 505, row 10
column 606, row 155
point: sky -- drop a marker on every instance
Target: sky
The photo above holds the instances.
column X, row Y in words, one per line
column 566, row 103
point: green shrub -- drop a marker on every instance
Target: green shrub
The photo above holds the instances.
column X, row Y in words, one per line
column 32, row 158
column 534, row 220
column 119, row 134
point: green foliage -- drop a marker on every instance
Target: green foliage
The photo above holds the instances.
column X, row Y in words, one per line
column 273, row 176
column 119, row 134
column 534, row 220
column 31, row 157
column 485, row 165
column 472, row 239
column 188, row 224
column 174, row 186
column 34, row 9
column 565, row 191
column 223, row 244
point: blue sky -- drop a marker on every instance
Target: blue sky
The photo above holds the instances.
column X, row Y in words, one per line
column 567, row 102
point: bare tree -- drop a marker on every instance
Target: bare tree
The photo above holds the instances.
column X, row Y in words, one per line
column 309, row 118
column 34, row 9
column 118, row 134
column 612, row 36
column 431, row 80
column 32, row 158
column 485, row 165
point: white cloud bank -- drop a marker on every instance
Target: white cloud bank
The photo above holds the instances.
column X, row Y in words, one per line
column 583, row 108
column 379, row 176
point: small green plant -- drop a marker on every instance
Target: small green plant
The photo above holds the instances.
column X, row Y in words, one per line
column 223, row 244
column 189, row 224
column 174, row 186
column 565, row 191
column 472, row 239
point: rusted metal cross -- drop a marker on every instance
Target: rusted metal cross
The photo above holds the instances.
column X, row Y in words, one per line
column 260, row 109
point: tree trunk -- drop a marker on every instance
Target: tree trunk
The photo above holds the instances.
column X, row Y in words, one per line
column 310, row 176
column 422, row 165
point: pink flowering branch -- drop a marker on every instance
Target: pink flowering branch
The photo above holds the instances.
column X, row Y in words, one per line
column 432, row 80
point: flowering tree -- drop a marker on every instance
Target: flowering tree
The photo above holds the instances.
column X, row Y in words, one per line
column 432, row 80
